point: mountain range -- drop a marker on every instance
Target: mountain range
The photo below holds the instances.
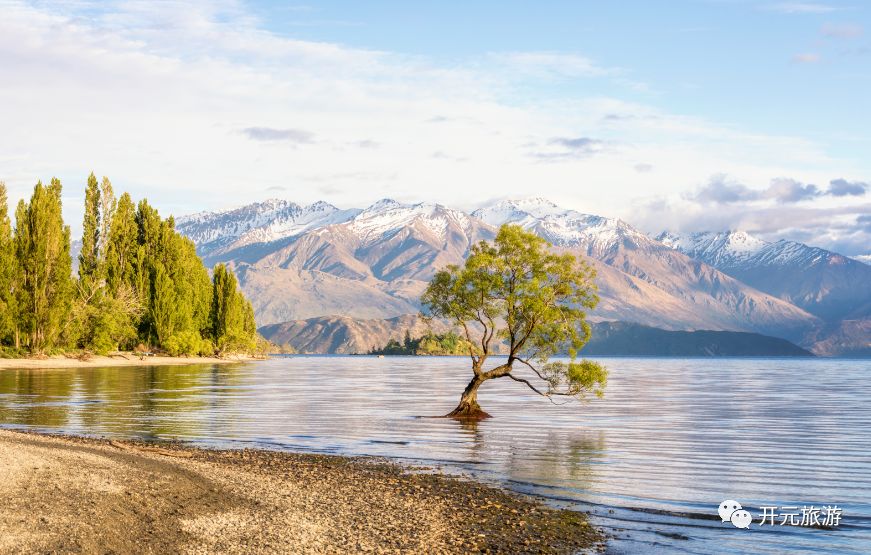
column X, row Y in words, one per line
column 344, row 335
column 302, row 262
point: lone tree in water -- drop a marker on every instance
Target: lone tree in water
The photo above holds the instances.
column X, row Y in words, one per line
column 517, row 291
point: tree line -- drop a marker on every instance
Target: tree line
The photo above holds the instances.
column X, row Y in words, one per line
column 428, row 344
column 139, row 282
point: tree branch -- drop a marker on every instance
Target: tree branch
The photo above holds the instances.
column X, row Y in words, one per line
column 531, row 367
column 471, row 345
column 532, row 387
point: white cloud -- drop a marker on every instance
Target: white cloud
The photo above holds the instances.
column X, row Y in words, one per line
column 801, row 8
column 785, row 209
column 807, row 58
column 270, row 134
column 552, row 64
column 842, row 31
column 166, row 101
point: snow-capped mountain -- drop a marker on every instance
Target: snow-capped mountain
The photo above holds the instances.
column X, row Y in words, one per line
column 561, row 227
column 375, row 263
column 724, row 249
column 258, row 223
column 387, row 215
column 663, row 280
column 824, row 283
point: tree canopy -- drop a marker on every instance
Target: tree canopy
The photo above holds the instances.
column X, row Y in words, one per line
column 517, row 291
column 139, row 281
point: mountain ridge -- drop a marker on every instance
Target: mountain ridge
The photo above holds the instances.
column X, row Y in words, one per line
column 300, row 262
column 822, row 282
column 344, row 335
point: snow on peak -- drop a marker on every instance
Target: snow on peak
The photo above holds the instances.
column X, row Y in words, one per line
column 383, row 204
column 714, row 247
column 730, row 250
column 513, row 210
column 261, row 221
column 387, row 215
column 558, row 225
column 319, row 214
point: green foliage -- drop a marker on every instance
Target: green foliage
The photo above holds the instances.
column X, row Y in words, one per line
column 108, row 204
column 443, row 344
column 188, row 343
column 91, row 235
column 162, row 307
column 576, row 378
column 8, row 271
column 516, row 290
column 43, row 283
column 139, row 281
column 122, row 245
column 105, row 322
column 429, row 344
column 232, row 316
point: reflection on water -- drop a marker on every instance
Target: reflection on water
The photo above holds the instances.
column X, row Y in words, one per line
column 670, row 441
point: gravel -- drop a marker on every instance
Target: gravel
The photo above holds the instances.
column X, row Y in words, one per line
column 82, row 495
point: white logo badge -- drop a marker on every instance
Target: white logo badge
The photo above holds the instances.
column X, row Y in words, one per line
column 728, row 507
column 732, row 511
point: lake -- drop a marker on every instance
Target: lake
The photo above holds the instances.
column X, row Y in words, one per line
column 651, row 461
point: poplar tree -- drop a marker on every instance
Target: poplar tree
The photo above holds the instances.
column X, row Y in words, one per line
column 122, row 245
column 233, row 327
column 163, row 304
column 42, row 249
column 8, row 271
column 108, row 204
column 139, row 280
column 224, row 310
column 90, row 255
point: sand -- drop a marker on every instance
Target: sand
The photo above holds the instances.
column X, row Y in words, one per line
column 77, row 495
column 127, row 359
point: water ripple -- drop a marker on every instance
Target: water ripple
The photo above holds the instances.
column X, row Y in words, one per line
column 651, row 461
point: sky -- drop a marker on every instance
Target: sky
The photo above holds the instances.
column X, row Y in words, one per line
column 687, row 115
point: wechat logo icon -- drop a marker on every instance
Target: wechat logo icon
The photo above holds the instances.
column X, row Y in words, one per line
column 731, row 511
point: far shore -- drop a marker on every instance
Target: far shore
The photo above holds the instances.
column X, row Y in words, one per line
column 125, row 359
column 80, row 495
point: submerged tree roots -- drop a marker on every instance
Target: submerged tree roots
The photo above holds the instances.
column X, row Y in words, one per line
column 468, row 411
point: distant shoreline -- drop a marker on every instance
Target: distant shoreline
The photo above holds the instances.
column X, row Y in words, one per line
column 126, row 359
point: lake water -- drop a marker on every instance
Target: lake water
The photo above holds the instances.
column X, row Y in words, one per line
column 651, row 461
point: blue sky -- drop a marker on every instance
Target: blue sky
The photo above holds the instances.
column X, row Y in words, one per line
column 682, row 115
column 750, row 63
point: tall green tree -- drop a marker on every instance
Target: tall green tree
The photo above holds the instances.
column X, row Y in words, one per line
column 232, row 317
column 122, row 244
column 106, row 309
column 163, row 307
column 90, row 255
column 139, row 280
column 225, row 312
column 8, row 272
column 42, row 248
column 517, row 291
column 108, row 204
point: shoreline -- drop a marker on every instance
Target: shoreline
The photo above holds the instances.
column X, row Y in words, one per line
column 127, row 359
column 72, row 493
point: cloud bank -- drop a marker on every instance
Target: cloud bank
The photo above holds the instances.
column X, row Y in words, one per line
column 196, row 105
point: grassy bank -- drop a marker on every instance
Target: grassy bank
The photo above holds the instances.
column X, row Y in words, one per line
column 90, row 495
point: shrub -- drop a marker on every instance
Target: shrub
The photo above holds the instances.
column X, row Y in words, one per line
column 188, row 343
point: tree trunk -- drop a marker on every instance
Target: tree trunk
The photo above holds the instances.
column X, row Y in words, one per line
column 468, row 409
